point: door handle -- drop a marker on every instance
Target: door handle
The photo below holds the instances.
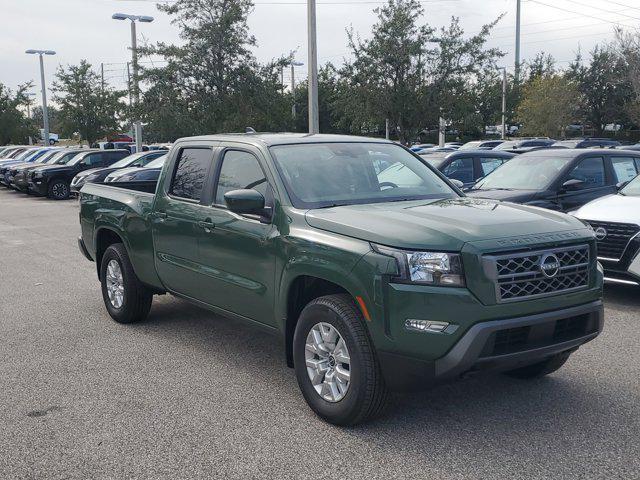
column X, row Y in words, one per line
column 207, row 225
column 160, row 216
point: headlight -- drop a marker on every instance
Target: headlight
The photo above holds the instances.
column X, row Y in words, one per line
column 429, row 268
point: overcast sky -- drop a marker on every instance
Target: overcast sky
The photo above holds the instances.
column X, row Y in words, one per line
column 83, row 29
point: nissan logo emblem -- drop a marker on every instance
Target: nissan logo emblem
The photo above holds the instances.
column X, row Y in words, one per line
column 601, row 233
column 549, row 265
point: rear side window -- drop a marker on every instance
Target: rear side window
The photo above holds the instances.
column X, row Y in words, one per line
column 190, row 173
column 489, row 164
column 624, row 168
column 93, row 159
column 240, row 170
column 590, row 171
column 460, row 169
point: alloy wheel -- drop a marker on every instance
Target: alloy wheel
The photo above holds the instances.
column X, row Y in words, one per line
column 328, row 362
column 60, row 190
column 115, row 284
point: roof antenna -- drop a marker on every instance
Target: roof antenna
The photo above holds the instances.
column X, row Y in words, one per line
column 249, row 130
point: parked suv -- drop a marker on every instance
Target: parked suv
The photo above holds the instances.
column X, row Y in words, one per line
column 615, row 220
column 58, row 157
column 54, row 180
column 467, row 166
column 93, row 175
column 370, row 285
column 559, row 179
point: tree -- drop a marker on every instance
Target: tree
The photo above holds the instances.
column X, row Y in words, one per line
column 604, row 85
column 84, row 106
column 213, row 79
column 15, row 127
column 54, row 117
column 401, row 74
column 628, row 49
column 549, row 103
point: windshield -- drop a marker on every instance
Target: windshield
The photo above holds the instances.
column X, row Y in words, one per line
column 61, row 158
column 25, row 155
column 46, row 157
column 632, row 188
column 320, row 175
column 158, row 162
column 527, row 172
column 78, row 158
column 567, row 143
column 470, row 145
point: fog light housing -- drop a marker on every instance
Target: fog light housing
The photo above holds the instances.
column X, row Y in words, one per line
column 430, row 326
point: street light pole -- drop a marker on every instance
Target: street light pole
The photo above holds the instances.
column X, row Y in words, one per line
column 137, row 126
column 314, row 121
column 504, row 100
column 517, row 72
column 45, row 113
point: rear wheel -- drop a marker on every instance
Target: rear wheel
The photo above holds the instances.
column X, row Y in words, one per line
column 335, row 362
column 59, row 190
column 127, row 300
column 540, row 369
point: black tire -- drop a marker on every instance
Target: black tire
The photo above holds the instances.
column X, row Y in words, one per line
column 58, row 189
column 540, row 369
column 367, row 394
column 137, row 298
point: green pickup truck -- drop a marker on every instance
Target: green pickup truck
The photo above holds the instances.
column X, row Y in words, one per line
column 374, row 281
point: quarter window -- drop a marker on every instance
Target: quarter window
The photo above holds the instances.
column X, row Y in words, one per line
column 590, row 171
column 624, row 168
column 240, row 170
column 191, row 173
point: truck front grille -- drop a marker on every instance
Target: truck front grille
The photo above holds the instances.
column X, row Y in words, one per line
column 616, row 237
column 525, row 275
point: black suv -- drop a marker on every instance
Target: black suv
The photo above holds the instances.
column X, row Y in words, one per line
column 467, row 166
column 588, row 143
column 559, row 179
column 54, row 180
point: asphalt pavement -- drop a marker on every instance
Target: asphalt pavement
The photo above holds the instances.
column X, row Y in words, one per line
column 188, row 394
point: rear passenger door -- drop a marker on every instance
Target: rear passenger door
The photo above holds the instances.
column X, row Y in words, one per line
column 591, row 171
column 238, row 251
column 486, row 165
column 178, row 218
column 109, row 158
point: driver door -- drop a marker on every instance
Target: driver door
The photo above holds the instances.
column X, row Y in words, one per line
column 591, row 172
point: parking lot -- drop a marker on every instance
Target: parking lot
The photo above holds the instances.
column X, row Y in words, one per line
column 187, row 394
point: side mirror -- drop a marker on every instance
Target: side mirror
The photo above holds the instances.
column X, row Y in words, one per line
column 573, row 184
column 457, row 183
column 245, row 202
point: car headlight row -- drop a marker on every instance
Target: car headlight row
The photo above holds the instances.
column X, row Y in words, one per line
column 426, row 268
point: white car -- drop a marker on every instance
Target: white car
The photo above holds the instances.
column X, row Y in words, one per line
column 615, row 220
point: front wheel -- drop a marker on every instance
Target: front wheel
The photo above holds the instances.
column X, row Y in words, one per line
column 59, row 190
column 335, row 363
column 127, row 300
column 540, row 369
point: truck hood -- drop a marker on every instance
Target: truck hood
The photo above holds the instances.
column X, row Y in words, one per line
column 439, row 224
column 611, row 208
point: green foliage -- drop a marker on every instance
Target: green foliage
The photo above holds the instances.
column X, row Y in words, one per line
column 84, row 106
column 212, row 82
column 15, row 127
column 549, row 103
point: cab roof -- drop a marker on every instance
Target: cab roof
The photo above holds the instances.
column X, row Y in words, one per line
column 269, row 139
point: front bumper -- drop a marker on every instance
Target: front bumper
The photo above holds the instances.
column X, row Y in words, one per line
column 625, row 270
column 38, row 185
column 499, row 345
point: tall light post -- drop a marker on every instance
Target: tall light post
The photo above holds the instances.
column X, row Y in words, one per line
column 504, row 100
column 137, row 126
column 314, row 119
column 45, row 113
column 293, row 85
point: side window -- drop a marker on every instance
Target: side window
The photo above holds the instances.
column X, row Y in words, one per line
column 149, row 158
column 637, row 164
column 490, row 164
column 190, row 173
column 590, row 171
column 240, row 170
column 460, row 169
column 92, row 159
column 624, row 168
